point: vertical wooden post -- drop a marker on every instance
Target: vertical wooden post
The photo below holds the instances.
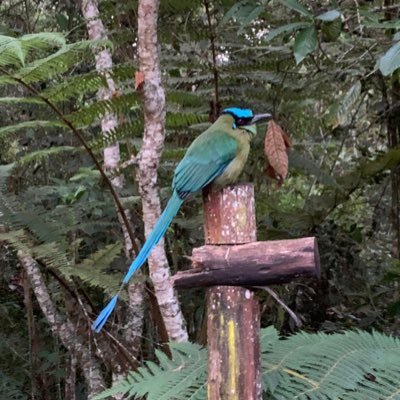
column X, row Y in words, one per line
column 233, row 313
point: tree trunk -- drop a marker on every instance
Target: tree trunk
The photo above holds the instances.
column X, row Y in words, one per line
column 96, row 30
column 64, row 330
column 70, row 378
column 148, row 162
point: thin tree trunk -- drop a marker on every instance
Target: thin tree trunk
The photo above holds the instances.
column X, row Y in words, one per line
column 64, row 330
column 392, row 99
column 70, row 378
column 96, row 30
column 148, row 162
column 33, row 344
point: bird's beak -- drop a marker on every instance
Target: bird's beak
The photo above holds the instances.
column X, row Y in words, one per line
column 260, row 118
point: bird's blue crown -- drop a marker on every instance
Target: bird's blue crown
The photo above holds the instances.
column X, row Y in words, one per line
column 239, row 112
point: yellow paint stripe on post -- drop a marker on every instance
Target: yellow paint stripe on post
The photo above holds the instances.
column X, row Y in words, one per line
column 232, row 359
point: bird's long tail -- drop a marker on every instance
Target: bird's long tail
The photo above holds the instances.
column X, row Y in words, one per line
column 156, row 234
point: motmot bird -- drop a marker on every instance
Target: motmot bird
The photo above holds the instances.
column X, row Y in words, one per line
column 216, row 157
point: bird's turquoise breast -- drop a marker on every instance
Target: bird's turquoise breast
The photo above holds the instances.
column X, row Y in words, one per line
column 235, row 167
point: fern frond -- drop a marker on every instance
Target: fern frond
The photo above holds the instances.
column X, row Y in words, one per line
column 60, row 61
column 314, row 366
column 353, row 365
column 39, row 223
column 82, row 84
column 89, row 271
column 13, row 51
column 42, row 40
column 6, row 131
column 78, row 85
column 11, row 388
column 21, row 100
column 123, row 131
column 52, row 255
column 181, row 378
column 185, row 99
column 183, row 120
column 19, row 239
column 91, row 113
column 45, row 153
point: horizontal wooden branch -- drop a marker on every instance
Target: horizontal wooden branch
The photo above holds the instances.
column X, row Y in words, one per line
column 251, row 264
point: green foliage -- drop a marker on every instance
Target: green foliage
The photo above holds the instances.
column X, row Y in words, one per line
column 286, row 29
column 15, row 50
column 334, row 104
column 390, row 61
column 90, row 270
column 44, row 234
column 329, row 16
column 297, row 6
column 306, row 42
column 353, row 365
column 340, row 112
column 11, row 388
column 181, row 378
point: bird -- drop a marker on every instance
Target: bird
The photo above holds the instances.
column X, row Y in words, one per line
column 216, row 157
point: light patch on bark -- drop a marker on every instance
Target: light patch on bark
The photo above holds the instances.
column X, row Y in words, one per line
column 62, row 328
column 109, row 122
column 97, row 31
column 148, row 162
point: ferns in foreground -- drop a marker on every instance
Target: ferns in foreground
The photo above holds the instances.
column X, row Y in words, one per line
column 353, row 365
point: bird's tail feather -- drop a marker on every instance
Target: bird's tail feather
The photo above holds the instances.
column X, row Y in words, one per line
column 156, row 234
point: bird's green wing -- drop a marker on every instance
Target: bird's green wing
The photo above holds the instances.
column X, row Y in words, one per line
column 205, row 159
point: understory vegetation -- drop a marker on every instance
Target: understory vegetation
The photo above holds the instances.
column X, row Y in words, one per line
column 328, row 71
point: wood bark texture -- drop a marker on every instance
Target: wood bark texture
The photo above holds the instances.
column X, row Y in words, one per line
column 252, row 264
column 96, row 31
column 134, row 327
column 148, row 161
column 233, row 325
column 63, row 329
column 229, row 215
column 233, row 322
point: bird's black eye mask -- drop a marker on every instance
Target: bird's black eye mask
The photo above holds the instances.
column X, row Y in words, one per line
column 239, row 121
column 243, row 121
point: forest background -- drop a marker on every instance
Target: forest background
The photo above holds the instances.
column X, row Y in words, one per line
column 81, row 183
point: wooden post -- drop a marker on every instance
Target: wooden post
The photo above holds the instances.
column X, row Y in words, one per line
column 233, row 313
column 251, row 264
column 233, row 258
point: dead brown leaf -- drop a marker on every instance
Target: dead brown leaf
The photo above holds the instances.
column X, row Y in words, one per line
column 275, row 147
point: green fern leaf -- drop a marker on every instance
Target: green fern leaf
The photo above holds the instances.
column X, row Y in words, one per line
column 89, row 270
column 5, row 131
column 333, row 366
column 11, row 51
column 182, row 377
column 353, row 365
column 59, row 62
column 42, row 40
column 90, row 114
column 79, row 85
column 123, row 131
column 21, row 100
column 183, row 120
column 45, row 153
